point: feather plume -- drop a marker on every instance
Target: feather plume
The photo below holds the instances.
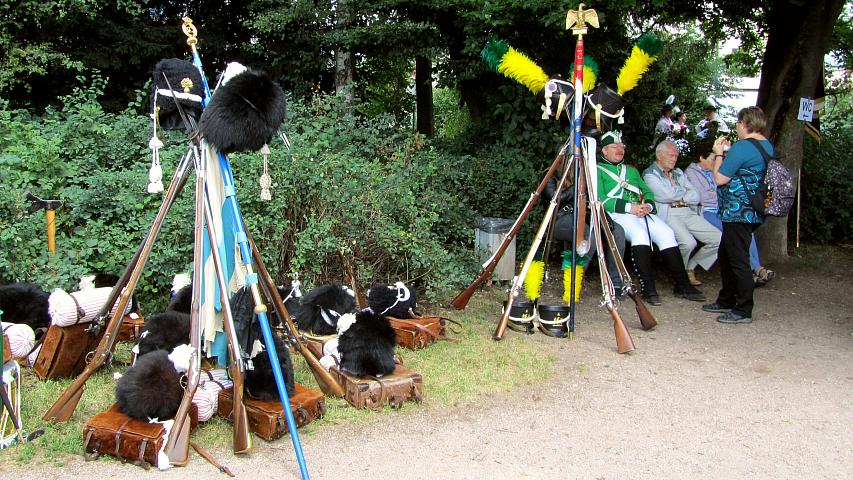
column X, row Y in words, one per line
column 643, row 54
column 492, row 53
column 567, row 283
column 518, row 67
column 533, row 279
column 590, row 73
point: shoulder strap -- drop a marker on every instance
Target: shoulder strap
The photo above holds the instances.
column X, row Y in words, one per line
column 761, row 150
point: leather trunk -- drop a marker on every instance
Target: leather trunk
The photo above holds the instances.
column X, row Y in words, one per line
column 63, row 352
column 315, row 343
column 266, row 417
column 131, row 326
column 417, row 333
column 395, row 389
column 138, row 441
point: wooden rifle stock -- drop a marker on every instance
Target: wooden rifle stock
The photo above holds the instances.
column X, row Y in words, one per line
column 239, row 416
column 647, row 320
column 178, row 444
column 461, row 300
column 64, row 406
column 624, row 342
column 502, row 323
column 328, row 384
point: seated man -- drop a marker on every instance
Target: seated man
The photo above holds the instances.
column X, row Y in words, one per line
column 676, row 200
column 564, row 229
column 630, row 203
column 700, row 176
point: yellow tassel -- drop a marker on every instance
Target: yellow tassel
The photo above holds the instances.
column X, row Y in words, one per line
column 517, row 66
column 635, row 66
column 567, row 283
column 533, row 279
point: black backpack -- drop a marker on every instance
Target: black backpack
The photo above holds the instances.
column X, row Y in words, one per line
column 775, row 194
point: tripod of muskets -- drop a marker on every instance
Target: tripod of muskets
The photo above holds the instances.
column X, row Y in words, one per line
column 203, row 157
column 583, row 164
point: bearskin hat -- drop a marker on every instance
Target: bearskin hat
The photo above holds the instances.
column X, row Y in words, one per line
column 243, row 113
column 367, row 346
column 398, row 300
column 151, row 388
column 260, row 380
column 186, row 82
column 322, row 307
column 164, row 331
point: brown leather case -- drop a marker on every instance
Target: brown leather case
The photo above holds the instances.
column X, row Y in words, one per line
column 7, row 349
column 266, row 417
column 63, row 352
column 400, row 386
column 138, row 441
column 130, row 328
column 417, row 333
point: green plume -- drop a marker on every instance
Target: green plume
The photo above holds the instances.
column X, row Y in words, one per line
column 493, row 52
column 649, row 43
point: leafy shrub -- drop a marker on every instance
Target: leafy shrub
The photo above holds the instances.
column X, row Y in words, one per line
column 826, row 186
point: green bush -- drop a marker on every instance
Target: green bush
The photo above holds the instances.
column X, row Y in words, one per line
column 827, row 188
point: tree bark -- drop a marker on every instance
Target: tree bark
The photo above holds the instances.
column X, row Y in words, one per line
column 798, row 36
column 423, row 93
column 344, row 66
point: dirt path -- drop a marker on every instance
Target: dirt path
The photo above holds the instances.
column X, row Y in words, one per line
column 697, row 400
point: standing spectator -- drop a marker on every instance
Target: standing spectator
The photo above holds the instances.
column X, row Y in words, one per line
column 630, row 202
column 738, row 173
column 701, row 177
column 676, row 202
column 665, row 126
column 710, row 126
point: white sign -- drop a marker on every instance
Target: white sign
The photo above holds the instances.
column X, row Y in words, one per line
column 806, row 109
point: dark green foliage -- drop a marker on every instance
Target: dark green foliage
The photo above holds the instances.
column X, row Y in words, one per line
column 827, row 188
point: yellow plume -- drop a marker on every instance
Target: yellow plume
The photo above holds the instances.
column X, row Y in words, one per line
column 533, row 279
column 567, row 283
column 635, row 66
column 517, row 66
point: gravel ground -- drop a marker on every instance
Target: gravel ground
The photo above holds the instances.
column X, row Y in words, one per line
column 697, row 400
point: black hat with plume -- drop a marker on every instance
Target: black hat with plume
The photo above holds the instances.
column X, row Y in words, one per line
column 245, row 112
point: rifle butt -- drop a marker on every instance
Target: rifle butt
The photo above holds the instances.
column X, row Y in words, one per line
column 328, row 384
column 64, row 406
column 178, row 446
column 242, row 434
column 624, row 342
column 461, row 300
column 502, row 324
column 647, row 320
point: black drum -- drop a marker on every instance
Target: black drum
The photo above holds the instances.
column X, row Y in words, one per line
column 553, row 320
column 521, row 316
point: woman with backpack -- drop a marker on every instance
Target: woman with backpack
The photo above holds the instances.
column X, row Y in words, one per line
column 738, row 172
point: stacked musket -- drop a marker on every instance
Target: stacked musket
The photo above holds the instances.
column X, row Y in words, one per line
column 563, row 101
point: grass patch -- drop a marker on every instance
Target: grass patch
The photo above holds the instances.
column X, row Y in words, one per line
column 452, row 373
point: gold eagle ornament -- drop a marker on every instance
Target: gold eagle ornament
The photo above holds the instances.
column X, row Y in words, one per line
column 576, row 20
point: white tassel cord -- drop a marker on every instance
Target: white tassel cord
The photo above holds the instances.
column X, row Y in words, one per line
column 266, row 180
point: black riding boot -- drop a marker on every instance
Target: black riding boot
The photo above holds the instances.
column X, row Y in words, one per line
column 675, row 265
column 642, row 255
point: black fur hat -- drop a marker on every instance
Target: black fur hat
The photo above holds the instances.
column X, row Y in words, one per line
column 243, row 113
column 322, row 307
column 151, row 388
column 260, row 381
column 398, row 300
column 25, row 303
column 164, row 331
column 367, row 346
column 186, row 81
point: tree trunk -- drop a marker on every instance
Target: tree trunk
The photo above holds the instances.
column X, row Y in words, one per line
column 423, row 93
column 798, row 36
column 344, row 66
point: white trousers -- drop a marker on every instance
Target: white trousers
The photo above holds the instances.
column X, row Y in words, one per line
column 637, row 234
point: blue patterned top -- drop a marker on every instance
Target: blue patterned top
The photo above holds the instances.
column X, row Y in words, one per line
column 742, row 159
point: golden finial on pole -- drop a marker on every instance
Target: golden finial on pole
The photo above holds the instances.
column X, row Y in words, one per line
column 577, row 20
column 190, row 31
